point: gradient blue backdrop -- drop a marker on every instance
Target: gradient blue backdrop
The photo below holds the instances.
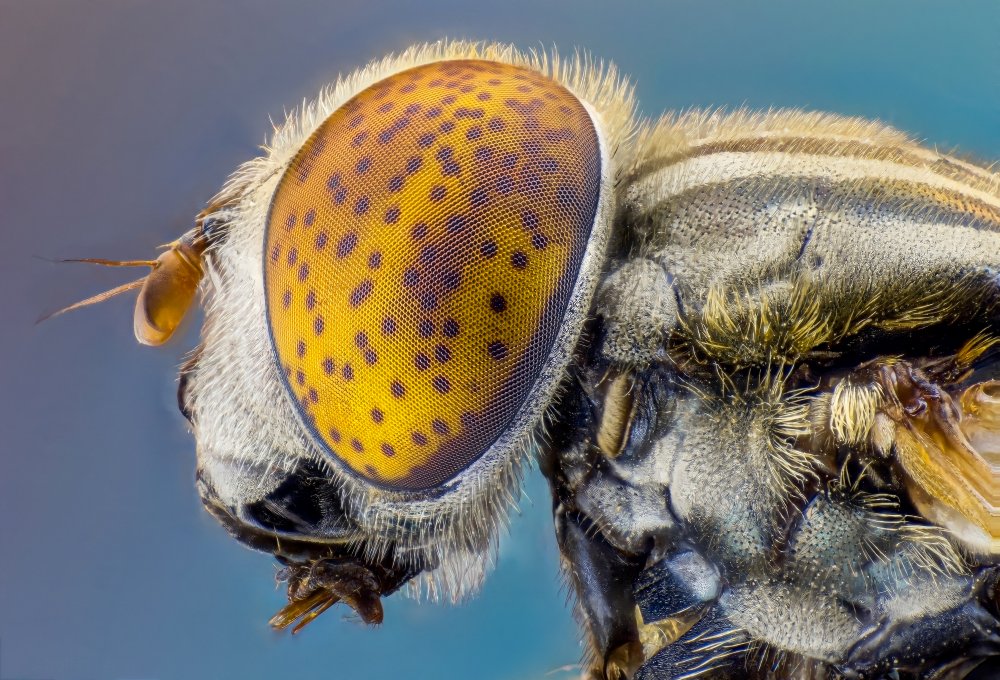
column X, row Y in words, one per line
column 120, row 118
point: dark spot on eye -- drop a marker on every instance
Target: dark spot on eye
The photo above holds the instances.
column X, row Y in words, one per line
column 419, row 438
column 441, row 384
column 309, row 217
column 498, row 303
column 300, row 377
column 455, row 223
column 335, row 435
column 474, row 133
column 340, row 195
column 422, row 361
column 371, row 358
column 450, row 168
column 375, row 260
column 532, row 147
column 433, row 112
column 370, row 470
column 310, row 300
column 347, row 244
column 293, row 256
column 413, row 164
column 539, row 241
column 426, row 139
column 523, row 88
column 449, row 328
column 321, row 240
column 496, row 124
column 328, row 366
column 275, row 252
column 348, row 372
column 410, row 277
column 313, row 395
column 529, row 220
column 451, row 280
column 386, row 107
column 361, row 339
column 359, row 294
column 397, row 388
column 549, row 164
column 437, row 192
column 300, row 348
column 482, row 153
column 428, row 254
column 419, row 231
column 388, row 325
column 440, row 427
column 392, row 215
column 356, row 445
column 447, row 126
column 478, row 197
column 488, row 249
column 359, row 138
column 463, row 112
column 363, row 165
column 442, row 354
column 497, row 350
column 519, row 260
column 334, row 181
column 425, row 328
column 286, row 299
column 444, row 153
column 493, row 81
column 509, row 161
column 388, row 450
column 361, row 205
column 377, row 415
column 395, row 184
column 531, row 183
column 412, row 108
column 303, row 271
column 318, row 325
column 428, row 301
column 290, row 221
column 484, row 96
column 450, row 99
column 505, row 184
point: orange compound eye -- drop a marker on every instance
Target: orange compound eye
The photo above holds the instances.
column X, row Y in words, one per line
column 421, row 250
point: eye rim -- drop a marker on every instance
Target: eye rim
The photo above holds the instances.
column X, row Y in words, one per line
column 514, row 439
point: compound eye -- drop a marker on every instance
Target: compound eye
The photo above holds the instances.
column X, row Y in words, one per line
column 421, row 252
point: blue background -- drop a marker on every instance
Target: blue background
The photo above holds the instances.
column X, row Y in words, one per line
column 120, row 118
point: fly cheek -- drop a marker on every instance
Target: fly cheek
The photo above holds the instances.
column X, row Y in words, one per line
column 429, row 256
